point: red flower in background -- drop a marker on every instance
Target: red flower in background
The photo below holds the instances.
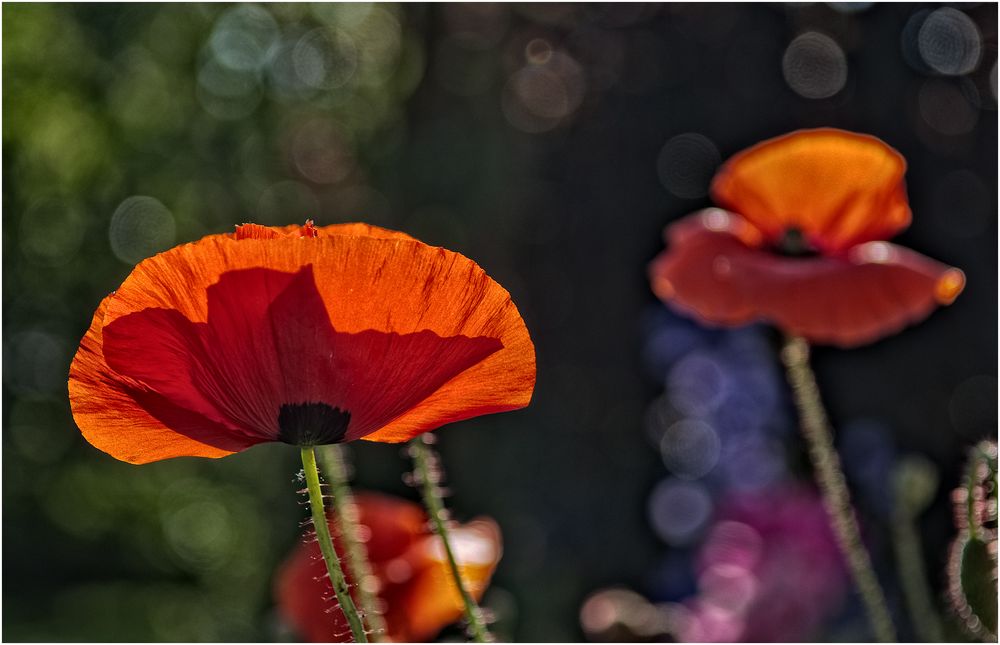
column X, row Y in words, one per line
column 800, row 243
column 298, row 334
column 413, row 579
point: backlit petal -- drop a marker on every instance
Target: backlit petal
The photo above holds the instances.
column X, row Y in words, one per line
column 268, row 342
column 126, row 420
column 873, row 291
column 414, row 581
column 424, row 337
column 838, row 188
column 261, row 232
column 432, row 599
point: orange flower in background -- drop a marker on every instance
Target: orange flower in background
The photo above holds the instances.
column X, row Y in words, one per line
column 800, row 244
column 411, row 572
column 299, row 334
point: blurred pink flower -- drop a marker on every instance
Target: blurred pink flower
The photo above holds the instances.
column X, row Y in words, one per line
column 769, row 570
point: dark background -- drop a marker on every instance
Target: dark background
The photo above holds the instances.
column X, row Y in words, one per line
column 531, row 138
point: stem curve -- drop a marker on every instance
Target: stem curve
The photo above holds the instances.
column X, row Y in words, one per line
column 832, row 485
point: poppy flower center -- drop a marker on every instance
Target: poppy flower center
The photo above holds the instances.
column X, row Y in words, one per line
column 793, row 244
column 312, row 424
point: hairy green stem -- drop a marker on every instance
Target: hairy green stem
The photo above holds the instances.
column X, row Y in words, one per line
column 832, row 485
column 334, row 461
column 326, row 546
column 427, row 471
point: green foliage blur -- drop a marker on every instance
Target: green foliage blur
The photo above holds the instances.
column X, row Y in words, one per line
column 130, row 129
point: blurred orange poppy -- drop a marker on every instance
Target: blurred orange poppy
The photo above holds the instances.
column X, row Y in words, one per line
column 299, row 334
column 411, row 575
column 800, row 243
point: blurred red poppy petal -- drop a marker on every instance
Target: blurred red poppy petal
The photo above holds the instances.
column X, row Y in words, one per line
column 413, row 578
column 874, row 290
column 432, row 598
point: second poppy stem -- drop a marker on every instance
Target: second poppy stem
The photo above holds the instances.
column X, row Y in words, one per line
column 427, row 473
column 913, row 579
column 833, row 486
column 337, row 579
column 334, row 461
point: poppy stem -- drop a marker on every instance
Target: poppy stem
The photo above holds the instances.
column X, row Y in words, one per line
column 915, row 481
column 334, row 458
column 833, row 487
column 428, row 474
column 337, row 579
column 913, row 579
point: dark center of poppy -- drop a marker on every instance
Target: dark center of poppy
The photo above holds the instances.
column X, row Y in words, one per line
column 793, row 244
column 312, row 424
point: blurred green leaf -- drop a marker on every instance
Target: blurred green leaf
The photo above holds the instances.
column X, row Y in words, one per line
column 972, row 566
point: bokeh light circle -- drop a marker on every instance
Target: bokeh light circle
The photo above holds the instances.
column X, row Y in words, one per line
column 325, row 58
column 609, row 614
column 541, row 91
column 697, row 385
column 51, row 232
column 140, row 227
column 945, row 108
column 690, row 448
column 660, row 416
column 949, row 42
column 732, row 544
column 686, row 164
column 227, row 93
column 321, row 152
column 679, row 510
column 35, row 362
column 542, row 95
column 201, row 533
column 814, row 66
column 243, row 37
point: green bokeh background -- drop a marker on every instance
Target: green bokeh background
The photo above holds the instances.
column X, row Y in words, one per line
column 125, row 135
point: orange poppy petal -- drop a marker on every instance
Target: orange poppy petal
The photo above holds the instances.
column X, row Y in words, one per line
column 873, row 291
column 432, row 601
column 837, row 188
column 261, row 232
column 299, row 364
column 130, row 423
column 457, row 348
column 414, row 581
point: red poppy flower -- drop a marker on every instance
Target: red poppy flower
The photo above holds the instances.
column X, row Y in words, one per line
column 800, row 243
column 411, row 572
column 298, row 334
